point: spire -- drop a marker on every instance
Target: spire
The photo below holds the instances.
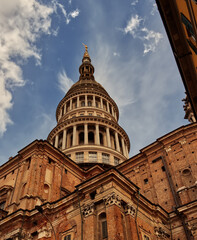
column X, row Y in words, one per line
column 86, row 69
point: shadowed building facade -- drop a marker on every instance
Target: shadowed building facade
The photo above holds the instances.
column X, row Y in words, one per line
column 86, row 185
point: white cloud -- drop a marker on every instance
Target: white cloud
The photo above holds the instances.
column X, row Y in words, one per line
column 134, row 2
column 132, row 25
column 73, row 14
column 116, row 54
column 64, row 81
column 154, row 9
column 150, row 38
column 22, row 23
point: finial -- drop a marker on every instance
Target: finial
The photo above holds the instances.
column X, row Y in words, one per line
column 86, row 54
column 86, row 47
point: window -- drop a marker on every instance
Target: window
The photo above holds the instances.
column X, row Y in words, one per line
column 146, row 181
column 188, row 25
column 93, row 156
column 81, row 138
column 105, row 158
column 89, row 103
column 116, row 161
column 83, row 103
column 68, row 237
column 103, row 226
column 91, row 137
column 79, row 156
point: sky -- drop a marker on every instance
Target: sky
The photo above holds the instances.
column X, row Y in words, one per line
column 40, row 53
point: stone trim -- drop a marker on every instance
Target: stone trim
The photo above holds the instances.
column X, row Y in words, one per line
column 88, row 210
column 130, row 210
column 161, row 233
column 112, row 199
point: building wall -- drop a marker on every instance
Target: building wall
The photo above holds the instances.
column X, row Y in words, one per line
column 174, row 155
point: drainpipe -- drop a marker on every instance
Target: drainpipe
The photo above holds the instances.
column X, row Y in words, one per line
column 136, row 215
column 80, row 214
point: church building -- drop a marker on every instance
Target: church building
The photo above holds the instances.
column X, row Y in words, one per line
column 80, row 183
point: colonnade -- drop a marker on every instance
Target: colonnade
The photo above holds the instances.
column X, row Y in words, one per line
column 90, row 134
column 87, row 101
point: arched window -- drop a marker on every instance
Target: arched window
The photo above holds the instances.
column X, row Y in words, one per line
column 89, row 103
column 71, row 140
column 81, row 138
column 101, row 138
column 91, row 137
column 83, row 103
column 103, row 226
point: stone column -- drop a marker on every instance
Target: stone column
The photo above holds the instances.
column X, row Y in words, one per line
column 78, row 101
column 74, row 135
column 85, row 133
column 123, row 147
column 64, row 108
column 97, row 135
column 101, row 103
column 112, row 111
column 108, row 137
column 64, row 139
column 117, row 142
column 56, row 140
column 127, row 151
column 94, row 101
column 86, row 100
column 108, row 107
column 71, row 102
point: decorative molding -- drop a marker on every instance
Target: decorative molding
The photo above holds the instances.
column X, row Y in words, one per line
column 130, row 210
column 183, row 141
column 112, row 199
column 88, row 210
column 168, row 149
column 44, row 232
column 161, row 233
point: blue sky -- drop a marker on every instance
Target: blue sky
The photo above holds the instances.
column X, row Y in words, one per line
column 41, row 51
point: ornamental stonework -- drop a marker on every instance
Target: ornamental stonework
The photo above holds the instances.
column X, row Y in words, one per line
column 112, row 199
column 88, row 210
column 161, row 233
column 130, row 210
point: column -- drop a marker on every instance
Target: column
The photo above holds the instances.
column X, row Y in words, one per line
column 85, row 133
column 108, row 137
column 78, row 101
column 112, row 111
column 94, row 102
column 127, row 152
column 74, row 135
column 86, row 100
column 64, row 108
column 123, row 147
column 108, row 106
column 101, row 103
column 56, row 140
column 117, row 142
column 64, row 139
column 97, row 138
column 71, row 102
